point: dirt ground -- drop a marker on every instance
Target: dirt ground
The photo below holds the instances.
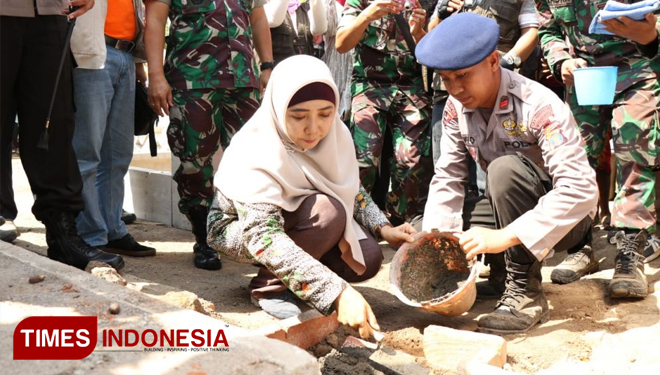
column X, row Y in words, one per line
column 588, row 333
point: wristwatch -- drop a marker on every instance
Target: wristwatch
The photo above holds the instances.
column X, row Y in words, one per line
column 512, row 59
column 267, row 65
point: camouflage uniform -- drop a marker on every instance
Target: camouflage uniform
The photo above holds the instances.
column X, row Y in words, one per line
column 211, row 67
column 634, row 115
column 388, row 95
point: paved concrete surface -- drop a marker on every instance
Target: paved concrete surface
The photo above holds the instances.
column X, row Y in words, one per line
column 67, row 291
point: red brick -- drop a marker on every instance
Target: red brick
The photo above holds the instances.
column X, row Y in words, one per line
column 304, row 330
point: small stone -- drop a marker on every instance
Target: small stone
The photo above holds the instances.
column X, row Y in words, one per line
column 184, row 299
column 334, row 340
column 34, row 279
column 109, row 274
column 322, row 350
column 95, row 264
column 114, row 308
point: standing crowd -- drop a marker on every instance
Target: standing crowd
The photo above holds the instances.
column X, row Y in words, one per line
column 343, row 123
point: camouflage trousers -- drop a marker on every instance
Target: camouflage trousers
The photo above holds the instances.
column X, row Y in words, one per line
column 634, row 121
column 388, row 109
column 201, row 121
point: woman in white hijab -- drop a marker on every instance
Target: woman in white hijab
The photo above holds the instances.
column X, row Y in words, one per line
column 288, row 196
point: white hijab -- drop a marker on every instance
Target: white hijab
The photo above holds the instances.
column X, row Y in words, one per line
column 263, row 165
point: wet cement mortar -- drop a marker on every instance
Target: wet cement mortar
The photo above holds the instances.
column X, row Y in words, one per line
column 434, row 268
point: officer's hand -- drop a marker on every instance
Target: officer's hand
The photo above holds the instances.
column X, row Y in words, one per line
column 641, row 32
column 486, row 241
column 567, row 68
column 396, row 236
column 160, row 94
column 417, row 21
column 381, row 8
column 354, row 311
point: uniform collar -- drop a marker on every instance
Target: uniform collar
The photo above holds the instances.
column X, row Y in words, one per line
column 508, row 86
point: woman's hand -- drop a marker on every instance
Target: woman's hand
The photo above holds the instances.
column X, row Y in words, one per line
column 160, row 94
column 354, row 311
column 396, row 236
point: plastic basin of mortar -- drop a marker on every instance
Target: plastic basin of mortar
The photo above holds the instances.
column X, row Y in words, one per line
column 432, row 273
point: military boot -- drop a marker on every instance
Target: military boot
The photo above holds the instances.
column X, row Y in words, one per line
column 495, row 285
column 66, row 246
column 523, row 304
column 575, row 266
column 205, row 256
column 629, row 279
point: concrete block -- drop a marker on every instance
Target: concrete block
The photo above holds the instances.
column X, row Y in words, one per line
column 477, row 368
column 445, row 348
column 304, row 330
column 151, row 194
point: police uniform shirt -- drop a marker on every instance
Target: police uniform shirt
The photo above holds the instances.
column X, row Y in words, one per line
column 529, row 119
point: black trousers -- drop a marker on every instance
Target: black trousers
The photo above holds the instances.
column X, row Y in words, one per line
column 8, row 208
column 514, row 186
column 30, row 50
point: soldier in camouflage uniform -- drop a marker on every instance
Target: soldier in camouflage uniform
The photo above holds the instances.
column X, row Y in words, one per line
column 634, row 118
column 209, row 88
column 388, row 95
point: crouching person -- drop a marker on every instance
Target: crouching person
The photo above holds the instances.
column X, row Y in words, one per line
column 541, row 193
column 290, row 199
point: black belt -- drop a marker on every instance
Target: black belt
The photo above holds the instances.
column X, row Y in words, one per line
column 120, row 44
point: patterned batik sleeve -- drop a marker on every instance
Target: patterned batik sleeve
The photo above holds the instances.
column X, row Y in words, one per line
column 223, row 230
column 264, row 236
column 367, row 213
column 553, row 43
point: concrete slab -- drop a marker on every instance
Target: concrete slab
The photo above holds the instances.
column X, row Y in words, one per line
column 66, row 291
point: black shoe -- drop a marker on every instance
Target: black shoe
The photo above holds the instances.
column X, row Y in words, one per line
column 66, row 246
column 523, row 304
column 205, row 257
column 128, row 246
column 494, row 287
column 128, row 217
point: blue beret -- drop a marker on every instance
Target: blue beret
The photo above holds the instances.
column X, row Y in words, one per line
column 460, row 41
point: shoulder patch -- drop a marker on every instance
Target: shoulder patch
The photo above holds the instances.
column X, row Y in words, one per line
column 450, row 114
column 542, row 118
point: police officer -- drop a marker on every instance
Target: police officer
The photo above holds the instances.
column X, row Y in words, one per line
column 540, row 194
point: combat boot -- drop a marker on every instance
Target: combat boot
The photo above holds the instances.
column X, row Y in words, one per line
column 629, row 279
column 205, row 256
column 575, row 266
column 496, row 284
column 523, row 304
column 66, row 246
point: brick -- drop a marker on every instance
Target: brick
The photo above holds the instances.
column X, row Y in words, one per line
column 304, row 330
column 445, row 348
